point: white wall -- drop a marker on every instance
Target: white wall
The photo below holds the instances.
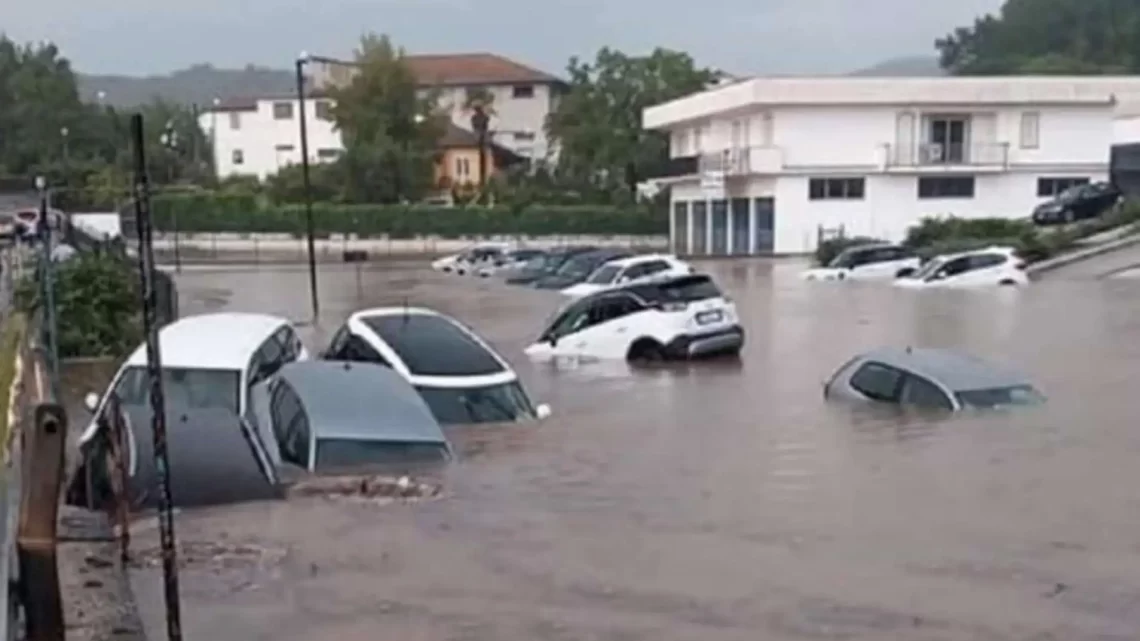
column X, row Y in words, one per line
column 1126, row 129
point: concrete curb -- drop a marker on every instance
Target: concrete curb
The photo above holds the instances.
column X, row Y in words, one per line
column 1051, row 264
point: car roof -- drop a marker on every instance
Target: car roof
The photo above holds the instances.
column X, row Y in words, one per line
column 604, row 254
column 654, row 288
column 869, row 247
column 642, row 258
column 225, row 340
column 992, row 249
column 361, row 401
column 572, row 249
column 456, row 351
column 957, row 370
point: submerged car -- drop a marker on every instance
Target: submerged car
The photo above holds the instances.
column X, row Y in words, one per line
column 513, row 260
column 471, row 259
column 543, row 266
column 460, row 377
column 209, row 361
column 1080, row 202
column 578, row 268
column 987, row 267
column 679, row 318
column 629, row 270
column 867, row 262
column 931, row 378
column 328, row 417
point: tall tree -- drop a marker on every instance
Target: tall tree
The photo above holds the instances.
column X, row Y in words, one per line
column 479, row 103
column 388, row 128
column 597, row 124
column 1047, row 37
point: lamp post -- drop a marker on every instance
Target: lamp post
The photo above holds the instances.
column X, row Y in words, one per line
column 169, row 140
column 303, row 60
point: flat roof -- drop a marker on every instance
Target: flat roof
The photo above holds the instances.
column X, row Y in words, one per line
column 224, row 340
column 917, row 91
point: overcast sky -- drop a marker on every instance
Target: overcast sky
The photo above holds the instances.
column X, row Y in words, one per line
column 743, row 36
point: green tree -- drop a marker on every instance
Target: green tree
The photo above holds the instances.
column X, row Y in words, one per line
column 597, row 124
column 1047, row 37
column 388, row 129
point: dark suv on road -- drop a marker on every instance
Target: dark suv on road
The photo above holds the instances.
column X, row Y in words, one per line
column 1077, row 203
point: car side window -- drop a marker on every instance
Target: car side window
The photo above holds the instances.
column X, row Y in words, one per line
column 569, row 321
column 290, row 425
column 357, row 349
column 919, row 392
column 336, row 345
column 652, row 267
column 611, row 308
column 877, row 382
column 290, row 344
column 956, row 266
column 859, row 258
column 983, row 261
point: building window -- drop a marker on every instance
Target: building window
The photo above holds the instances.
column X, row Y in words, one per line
column 282, row 111
column 522, row 91
column 284, row 148
column 1049, row 187
column 523, row 136
column 462, row 168
column 1030, row 130
column 235, row 120
column 836, row 188
column 237, row 157
column 946, row 187
column 328, row 154
column 323, row 110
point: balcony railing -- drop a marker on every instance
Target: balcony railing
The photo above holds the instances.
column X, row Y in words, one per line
column 741, row 161
column 934, row 154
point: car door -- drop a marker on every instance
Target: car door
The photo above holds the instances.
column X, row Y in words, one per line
column 985, row 269
column 918, row 392
column 604, row 334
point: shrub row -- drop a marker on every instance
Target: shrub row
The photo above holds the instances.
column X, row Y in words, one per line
column 205, row 213
column 935, row 236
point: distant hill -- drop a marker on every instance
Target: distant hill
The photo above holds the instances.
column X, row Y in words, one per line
column 199, row 84
column 907, row 66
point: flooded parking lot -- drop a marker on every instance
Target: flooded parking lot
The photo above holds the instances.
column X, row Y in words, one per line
column 721, row 501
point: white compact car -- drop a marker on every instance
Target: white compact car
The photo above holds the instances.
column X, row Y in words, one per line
column 987, row 267
column 460, row 377
column 625, row 271
column 681, row 317
column 208, row 361
column 866, row 262
column 511, row 261
column 470, row 260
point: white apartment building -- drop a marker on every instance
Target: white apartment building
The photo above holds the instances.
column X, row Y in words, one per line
column 773, row 165
column 261, row 134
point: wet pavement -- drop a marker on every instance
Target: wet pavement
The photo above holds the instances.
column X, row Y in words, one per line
column 719, row 501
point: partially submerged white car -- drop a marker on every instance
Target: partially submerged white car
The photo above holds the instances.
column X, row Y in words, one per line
column 627, row 271
column 669, row 318
column 470, row 260
column 867, row 262
column 512, row 260
column 986, row 267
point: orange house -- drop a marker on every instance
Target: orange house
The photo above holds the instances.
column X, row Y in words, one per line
column 457, row 165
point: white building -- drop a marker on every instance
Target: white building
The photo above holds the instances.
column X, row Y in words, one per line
column 771, row 165
column 261, row 134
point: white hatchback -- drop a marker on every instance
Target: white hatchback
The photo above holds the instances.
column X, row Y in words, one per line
column 626, row 271
column 471, row 259
column 987, row 267
column 209, row 361
column 866, row 262
column 669, row 318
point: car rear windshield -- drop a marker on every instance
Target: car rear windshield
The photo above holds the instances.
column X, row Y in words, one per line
column 1001, row 397
column 183, row 387
column 343, row 453
column 689, row 289
column 504, row 403
column 433, row 345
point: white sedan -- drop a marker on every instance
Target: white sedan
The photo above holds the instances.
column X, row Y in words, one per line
column 866, row 262
column 987, row 267
column 625, row 271
column 471, row 259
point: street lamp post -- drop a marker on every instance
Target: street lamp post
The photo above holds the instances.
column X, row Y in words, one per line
column 303, row 60
column 169, row 140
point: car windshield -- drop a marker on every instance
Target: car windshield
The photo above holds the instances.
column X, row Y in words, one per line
column 1072, row 194
column 579, row 266
column 689, row 289
column 502, row 403
column 846, row 258
column 183, row 388
column 1000, row 397
column 929, row 268
column 604, row 276
column 344, row 453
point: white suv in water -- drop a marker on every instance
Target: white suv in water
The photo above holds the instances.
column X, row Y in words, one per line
column 987, row 267
column 866, row 262
column 680, row 317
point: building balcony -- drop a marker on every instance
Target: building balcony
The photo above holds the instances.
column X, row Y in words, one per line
column 937, row 156
column 741, row 161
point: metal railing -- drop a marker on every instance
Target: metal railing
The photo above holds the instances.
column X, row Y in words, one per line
column 741, row 161
column 932, row 154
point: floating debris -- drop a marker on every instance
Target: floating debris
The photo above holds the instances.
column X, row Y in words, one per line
column 212, row 555
column 383, row 489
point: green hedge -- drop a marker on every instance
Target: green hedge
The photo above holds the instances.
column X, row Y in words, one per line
column 205, row 213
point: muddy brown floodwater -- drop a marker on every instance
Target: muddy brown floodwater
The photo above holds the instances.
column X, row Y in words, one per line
column 714, row 502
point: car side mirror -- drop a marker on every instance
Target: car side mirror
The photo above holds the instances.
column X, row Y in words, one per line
column 91, row 401
column 905, row 272
column 543, row 412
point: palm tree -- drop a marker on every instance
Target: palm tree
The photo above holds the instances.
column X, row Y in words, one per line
column 480, row 103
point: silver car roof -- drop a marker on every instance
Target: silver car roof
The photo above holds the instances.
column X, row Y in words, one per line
column 362, row 401
column 958, row 371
